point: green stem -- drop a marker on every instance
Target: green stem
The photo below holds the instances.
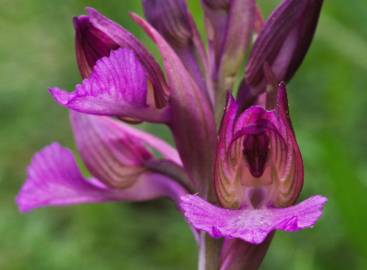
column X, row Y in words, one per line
column 209, row 256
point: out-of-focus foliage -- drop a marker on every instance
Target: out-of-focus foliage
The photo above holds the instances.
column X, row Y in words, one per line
column 328, row 100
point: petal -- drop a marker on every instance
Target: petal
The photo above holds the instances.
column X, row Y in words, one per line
column 250, row 225
column 117, row 86
column 114, row 152
column 223, row 178
column 126, row 40
column 283, row 41
column 174, row 22
column 55, row 180
column 192, row 122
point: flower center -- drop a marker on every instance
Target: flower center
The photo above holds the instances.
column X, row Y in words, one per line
column 256, row 151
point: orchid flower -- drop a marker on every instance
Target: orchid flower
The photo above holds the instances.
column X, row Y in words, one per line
column 236, row 172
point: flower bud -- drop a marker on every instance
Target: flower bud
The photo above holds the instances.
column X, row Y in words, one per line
column 283, row 41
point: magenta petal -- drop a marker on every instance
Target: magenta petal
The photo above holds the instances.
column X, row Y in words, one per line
column 55, row 180
column 250, row 225
column 117, row 86
column 125, row 39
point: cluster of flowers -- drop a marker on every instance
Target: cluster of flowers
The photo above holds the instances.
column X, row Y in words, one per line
column 237, row 171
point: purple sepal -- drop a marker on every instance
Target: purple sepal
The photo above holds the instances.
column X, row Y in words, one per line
column 117, row 86
column 125, row 39
column 192, row 122
column 229, row 26
column 115, row 152
column 55, row 180
column 172, row 19
column 250, row 225
column 283, row 41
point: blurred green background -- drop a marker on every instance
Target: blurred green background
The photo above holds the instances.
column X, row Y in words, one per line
column 328, row 99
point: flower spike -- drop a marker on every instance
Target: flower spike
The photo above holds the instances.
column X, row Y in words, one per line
column 237, row 172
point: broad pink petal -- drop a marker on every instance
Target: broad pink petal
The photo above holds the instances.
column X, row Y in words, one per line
column 250, row 225
column 117, row 86
column 55, row 180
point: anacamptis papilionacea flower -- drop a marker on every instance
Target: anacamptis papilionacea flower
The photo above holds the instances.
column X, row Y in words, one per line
column 237, row 171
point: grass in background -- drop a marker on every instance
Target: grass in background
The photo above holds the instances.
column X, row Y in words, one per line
column 327, row 100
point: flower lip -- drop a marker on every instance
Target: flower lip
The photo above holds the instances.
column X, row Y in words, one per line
column 251, row 225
